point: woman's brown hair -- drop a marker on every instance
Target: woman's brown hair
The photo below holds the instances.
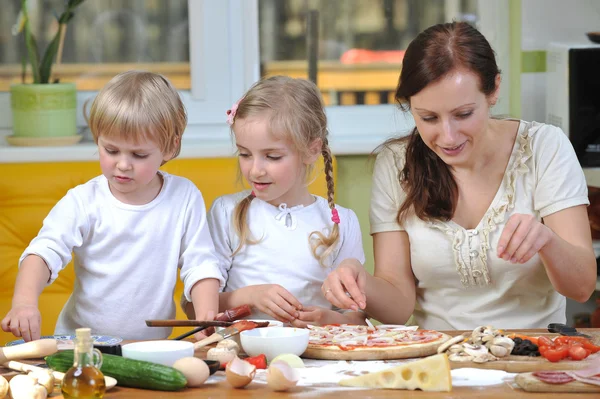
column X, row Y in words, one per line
column 294, row 109
column 430, row 188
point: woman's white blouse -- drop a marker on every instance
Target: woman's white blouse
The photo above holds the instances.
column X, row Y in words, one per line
column 461, row 282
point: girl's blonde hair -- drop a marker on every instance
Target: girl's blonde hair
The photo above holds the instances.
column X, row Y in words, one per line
column 295, row 112
column 139, row 106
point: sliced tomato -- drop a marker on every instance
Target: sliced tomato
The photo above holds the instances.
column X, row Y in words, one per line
column 543, row 349
column 577, row 352
column 556, row 354
column 585, row 342
column 545, row 341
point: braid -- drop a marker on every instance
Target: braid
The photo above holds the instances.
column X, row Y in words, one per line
column 240, row 220
column 319, row 239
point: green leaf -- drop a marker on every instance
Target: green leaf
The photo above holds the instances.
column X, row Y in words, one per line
column 48, row 59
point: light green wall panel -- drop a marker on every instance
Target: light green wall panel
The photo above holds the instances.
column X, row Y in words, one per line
column 353, row 190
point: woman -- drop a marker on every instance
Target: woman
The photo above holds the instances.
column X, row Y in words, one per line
column 474, row 220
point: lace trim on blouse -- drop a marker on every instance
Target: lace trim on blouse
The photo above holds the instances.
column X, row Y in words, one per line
column 476, row 272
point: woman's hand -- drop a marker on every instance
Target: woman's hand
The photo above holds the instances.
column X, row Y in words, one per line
column 317, row 316
column 275, row 301
column 345, row 286
column 522, row 237
column 23, row 321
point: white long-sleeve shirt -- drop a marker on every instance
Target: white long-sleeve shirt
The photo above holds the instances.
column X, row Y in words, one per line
column 126, row 256
column 283, row 255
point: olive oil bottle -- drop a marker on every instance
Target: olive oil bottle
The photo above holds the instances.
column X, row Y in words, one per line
column 84, row 380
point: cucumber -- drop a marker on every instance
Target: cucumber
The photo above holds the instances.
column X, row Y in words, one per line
column 128, row 372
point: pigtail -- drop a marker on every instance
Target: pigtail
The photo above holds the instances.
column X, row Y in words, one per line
column 240, row 220
column 316, row 238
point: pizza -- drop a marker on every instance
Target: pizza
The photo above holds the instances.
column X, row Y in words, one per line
column 353, row 342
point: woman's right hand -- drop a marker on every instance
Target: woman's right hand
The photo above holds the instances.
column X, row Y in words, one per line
column 23, row 321
column 275, row 301
column 345, row 287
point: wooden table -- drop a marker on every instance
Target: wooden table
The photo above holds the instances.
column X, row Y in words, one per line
column 256, row 390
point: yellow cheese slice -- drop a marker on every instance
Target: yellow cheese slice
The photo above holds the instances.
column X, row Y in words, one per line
column 429, row 374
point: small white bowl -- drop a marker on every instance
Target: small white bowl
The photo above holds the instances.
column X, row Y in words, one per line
column 236, row 338
column 274, row 341
column 163, row 352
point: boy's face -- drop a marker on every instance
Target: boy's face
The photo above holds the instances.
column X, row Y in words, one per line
column 131, row 169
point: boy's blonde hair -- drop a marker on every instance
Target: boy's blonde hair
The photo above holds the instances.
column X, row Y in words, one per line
column 295, row 112
column 139, row 106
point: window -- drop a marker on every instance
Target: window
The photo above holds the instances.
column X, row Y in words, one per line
column 103, row 39
column 210, row 50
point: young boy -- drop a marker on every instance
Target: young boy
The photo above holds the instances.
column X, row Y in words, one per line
column 130, row 228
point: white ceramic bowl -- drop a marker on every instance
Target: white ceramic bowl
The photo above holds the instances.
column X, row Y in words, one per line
column 236, row 338
column 163, row 352
column 274, row 341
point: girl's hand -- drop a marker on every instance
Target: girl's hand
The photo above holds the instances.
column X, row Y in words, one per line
column 345, row 286
column 23, row 321
column 317, row 316
column 522, row 237
column 275, row 301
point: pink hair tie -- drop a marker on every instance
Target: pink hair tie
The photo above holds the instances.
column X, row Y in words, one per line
column 252, row 194
column 335, row 217
column 231, row 112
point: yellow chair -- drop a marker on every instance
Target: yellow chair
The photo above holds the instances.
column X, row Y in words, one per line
column 29, row 190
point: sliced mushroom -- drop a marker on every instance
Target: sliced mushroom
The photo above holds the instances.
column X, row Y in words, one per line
column 446, row 345
column 460, row 357
column 456, row 348
column 484, row 357
column 475, row 350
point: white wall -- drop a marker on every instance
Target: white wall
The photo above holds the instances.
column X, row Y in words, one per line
column 545, row 21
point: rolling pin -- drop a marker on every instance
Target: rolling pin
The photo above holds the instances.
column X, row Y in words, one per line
column 29, row 350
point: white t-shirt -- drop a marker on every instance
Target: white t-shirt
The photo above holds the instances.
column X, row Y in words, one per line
column 283, row 255
column 461, row 282
column 126, row 256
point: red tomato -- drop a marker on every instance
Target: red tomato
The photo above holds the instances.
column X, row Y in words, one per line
column 556, row 354
column 577, row 352
column 545, row 341
column 542, row 349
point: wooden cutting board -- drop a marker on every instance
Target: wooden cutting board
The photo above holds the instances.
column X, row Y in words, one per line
column 531, row 384
column 524, row 364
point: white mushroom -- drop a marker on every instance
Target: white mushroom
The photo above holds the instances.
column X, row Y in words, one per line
column 446, row 345
column 222, row 355
column 230, row 345
column 45, row 378
column 26, row 387
column 3, row 387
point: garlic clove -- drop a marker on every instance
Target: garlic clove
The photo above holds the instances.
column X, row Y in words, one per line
column 281, row 376
column 239, row 373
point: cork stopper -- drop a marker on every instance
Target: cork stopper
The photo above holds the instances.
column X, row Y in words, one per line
column 83, row 339
column 83, row 333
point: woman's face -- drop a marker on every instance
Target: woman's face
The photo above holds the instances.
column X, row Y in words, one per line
column 452, row 116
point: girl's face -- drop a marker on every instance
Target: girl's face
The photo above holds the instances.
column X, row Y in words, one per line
column 452, row 117
column 274, row 169
column 131, row 169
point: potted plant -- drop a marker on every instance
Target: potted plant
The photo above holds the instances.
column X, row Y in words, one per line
column 44, row 109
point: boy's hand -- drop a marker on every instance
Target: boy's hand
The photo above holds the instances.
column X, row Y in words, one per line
column 205, row 316
column 23, row 321
column 275, row 301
